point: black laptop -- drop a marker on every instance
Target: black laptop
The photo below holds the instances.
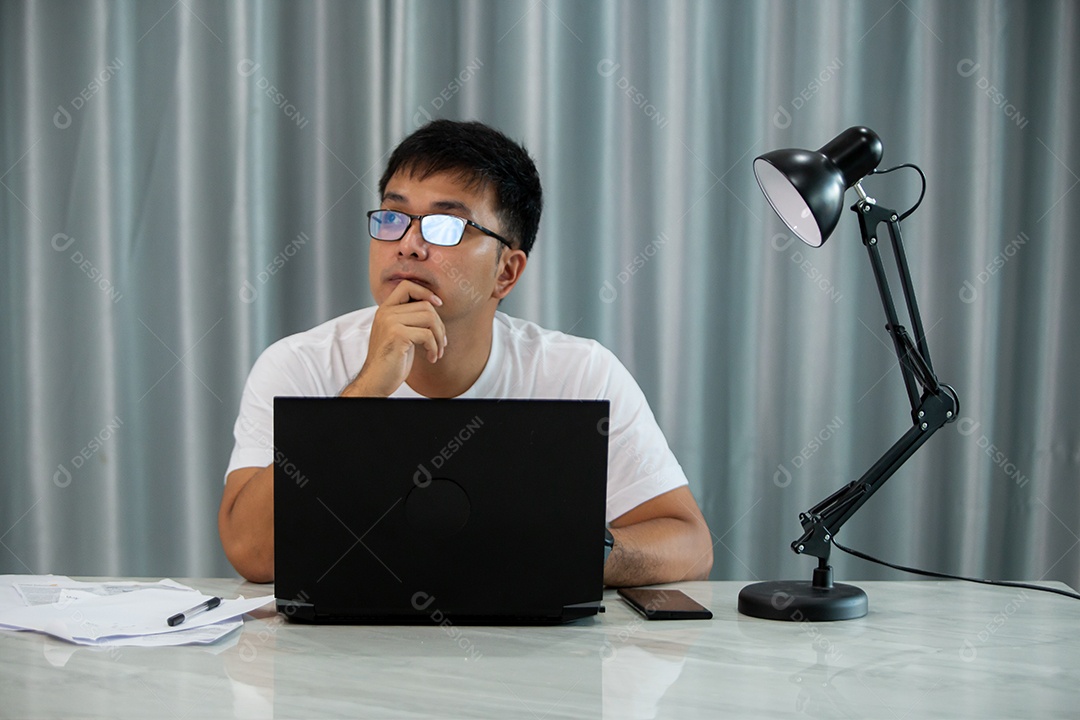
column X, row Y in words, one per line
column 392, row 510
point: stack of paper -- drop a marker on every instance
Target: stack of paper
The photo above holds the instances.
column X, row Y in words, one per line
column 116, row 613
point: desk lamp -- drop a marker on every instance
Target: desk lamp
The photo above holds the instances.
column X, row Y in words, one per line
column 806, row 189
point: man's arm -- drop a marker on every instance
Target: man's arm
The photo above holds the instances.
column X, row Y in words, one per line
column 246, row 522
column 665, row 539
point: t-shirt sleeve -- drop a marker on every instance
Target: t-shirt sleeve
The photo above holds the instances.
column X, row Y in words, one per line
column 641, row 466
column 278, row 371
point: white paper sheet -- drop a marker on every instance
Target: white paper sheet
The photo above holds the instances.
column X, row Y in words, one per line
column 116, row 613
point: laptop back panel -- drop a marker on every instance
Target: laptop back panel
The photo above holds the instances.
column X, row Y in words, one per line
column 401, row 510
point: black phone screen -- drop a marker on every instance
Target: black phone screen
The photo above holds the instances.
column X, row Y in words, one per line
column 660, row 604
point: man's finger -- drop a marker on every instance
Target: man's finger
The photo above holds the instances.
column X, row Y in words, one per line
column 422, row 337
column 414, row 315
column 408, row 291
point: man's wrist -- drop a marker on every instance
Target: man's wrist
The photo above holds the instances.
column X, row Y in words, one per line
column 609, row 544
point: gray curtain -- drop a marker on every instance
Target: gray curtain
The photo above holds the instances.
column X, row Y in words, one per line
column 184, row 183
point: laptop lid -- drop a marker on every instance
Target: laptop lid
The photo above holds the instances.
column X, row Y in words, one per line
column 414, row 510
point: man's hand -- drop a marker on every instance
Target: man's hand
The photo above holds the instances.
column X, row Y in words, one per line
column 405, row 322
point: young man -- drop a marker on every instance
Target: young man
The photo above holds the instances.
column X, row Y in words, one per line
column 460, row 210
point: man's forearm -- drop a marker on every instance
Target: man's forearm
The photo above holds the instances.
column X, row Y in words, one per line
column 659, row 550
column 246, row 526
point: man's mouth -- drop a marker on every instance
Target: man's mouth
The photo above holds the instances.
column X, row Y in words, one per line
column 396, row 279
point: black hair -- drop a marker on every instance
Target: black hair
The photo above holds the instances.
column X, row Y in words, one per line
column 483, row 157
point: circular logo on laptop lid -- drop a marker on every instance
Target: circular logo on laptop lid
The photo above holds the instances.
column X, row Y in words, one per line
column 438, row 509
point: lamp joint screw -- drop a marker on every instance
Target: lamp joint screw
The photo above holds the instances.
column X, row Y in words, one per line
column 800, row 548
column 827, row 537
column 948, row 414
column 865, row 208
column 893, row 217
column 924, row 426
column 921, row 413
column 873, row 241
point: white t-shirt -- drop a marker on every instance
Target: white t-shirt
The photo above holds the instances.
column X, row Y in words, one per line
column 526, row 361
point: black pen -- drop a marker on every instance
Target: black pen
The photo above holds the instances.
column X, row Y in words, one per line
column 200, row 608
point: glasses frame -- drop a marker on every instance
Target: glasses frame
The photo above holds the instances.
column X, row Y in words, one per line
column 420, row 218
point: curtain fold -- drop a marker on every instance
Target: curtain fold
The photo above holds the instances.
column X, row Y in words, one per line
column 182, row 184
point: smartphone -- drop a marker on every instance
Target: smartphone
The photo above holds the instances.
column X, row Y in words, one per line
column 657, row 604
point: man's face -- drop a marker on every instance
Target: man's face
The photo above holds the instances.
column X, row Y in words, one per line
column 466, row 276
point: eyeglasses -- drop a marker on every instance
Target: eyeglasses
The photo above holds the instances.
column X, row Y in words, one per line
column 438, row 228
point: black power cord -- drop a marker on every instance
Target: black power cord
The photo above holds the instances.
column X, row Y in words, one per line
column 931, row 573
column 922, row 193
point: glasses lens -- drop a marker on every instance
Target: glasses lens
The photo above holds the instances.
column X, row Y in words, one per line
column 388, row 225
column 444, row 230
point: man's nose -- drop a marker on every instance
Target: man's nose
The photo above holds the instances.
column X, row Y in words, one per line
column 413, row 243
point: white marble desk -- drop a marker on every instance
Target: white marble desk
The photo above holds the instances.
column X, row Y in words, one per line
column 927, row 649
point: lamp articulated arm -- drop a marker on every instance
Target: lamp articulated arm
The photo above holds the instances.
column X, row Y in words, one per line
column 933, row 404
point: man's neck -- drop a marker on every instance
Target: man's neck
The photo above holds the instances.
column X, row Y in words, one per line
column 466, row 356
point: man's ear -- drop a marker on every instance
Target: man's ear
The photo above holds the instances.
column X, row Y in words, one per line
column 511, row 266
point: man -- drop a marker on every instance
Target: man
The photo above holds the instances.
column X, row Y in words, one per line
column 460, row 210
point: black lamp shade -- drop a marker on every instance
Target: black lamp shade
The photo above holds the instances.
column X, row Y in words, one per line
column 806, row 188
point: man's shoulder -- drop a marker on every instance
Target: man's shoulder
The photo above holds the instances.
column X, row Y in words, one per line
column 348, row 331
column 537, row 349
